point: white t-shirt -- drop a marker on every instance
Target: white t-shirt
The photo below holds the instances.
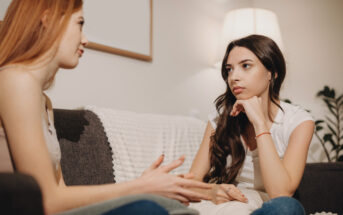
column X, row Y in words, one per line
column 282, row 128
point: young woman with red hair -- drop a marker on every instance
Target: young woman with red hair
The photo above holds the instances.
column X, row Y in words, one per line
column 37, row 37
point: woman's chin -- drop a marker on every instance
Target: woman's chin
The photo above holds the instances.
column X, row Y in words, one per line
column 70, row 65
column 241, row 96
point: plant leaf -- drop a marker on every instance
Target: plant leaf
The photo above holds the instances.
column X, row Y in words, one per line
column 331, row 108
column 332, row 130
column 317, row 122
column 323, row 92
column 287, row 101
column 326, row 92
column 328, row 138
column 332, row 93
column 340, row 103
column 329, row 103
column 339, row 98
column 331, row 121
column 334, row 148
column 318, row 128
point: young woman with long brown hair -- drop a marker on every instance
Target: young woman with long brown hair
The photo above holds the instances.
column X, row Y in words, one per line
column 37, row 37
column 255, row 146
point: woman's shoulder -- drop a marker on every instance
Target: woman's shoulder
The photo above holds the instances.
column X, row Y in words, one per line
column 294, row 111
column 293, row 115
column 17, row 86
column 12, row 79
column 213, row 118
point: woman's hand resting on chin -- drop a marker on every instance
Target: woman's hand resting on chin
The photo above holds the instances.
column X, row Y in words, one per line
column 157, row 180
column 252, row 108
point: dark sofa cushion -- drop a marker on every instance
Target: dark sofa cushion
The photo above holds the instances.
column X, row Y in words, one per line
column 20, row 194
column 321, row 188
column 86, row 154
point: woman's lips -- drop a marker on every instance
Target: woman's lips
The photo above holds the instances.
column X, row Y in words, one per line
column 237, row 90
column 80, row 52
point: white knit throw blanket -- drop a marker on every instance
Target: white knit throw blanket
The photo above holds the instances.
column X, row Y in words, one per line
column 137, row 140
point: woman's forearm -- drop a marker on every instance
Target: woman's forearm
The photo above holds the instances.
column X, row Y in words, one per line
column 65, row 198
column 275, row 176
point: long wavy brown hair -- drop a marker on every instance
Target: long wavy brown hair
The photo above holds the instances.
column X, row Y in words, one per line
column 226, row 141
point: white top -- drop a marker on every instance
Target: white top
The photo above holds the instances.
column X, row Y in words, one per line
column 282, row 128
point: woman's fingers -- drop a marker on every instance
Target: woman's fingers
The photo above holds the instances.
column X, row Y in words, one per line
column 156, row 163
column 192, row 195
column 236, row 194
column 193, row 184
column 178, row 197
column 186, row 176
column 220, row 200
column 237, row 108
column 173, row 165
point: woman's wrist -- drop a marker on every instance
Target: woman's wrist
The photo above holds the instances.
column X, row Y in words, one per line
column 260, row 128
column 140, row 185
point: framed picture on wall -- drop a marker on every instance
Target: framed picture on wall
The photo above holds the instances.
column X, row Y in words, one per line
column 122, row 27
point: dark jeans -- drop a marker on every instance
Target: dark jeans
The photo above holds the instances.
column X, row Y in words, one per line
column 282, row 206
column 142, row 207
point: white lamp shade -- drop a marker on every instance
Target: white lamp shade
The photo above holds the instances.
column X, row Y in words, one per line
column 243, row 22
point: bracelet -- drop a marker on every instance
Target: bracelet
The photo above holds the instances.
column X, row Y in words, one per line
column 267, row 132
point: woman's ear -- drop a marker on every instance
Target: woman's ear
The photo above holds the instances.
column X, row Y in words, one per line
column 275, row 75
column 45, row 18
column 270, row 76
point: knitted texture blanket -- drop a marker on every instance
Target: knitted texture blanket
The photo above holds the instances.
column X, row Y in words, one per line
column 138, row 139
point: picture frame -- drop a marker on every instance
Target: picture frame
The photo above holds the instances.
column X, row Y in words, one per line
column 132, row 23
column 122, row 27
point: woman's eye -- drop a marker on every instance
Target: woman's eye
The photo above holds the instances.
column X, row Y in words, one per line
column 81, row 23
column 228, row 69
column 246, row 66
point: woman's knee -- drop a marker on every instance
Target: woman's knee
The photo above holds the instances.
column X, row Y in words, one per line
column 281, row 205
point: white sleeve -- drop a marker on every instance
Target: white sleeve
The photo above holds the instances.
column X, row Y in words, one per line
column 212, row 118
column 297, row 117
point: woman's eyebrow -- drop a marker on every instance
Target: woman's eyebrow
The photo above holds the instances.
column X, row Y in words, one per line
column 242, row 61
column 245, row 60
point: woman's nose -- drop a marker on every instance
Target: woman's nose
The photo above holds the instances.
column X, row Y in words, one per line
column 84, row 40
column 234, row 75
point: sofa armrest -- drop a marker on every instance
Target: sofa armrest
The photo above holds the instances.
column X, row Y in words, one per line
column 321, row 188
column 20, row 194
column 86, row 154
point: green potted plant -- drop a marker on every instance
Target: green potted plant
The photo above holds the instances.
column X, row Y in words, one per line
column 331, row 138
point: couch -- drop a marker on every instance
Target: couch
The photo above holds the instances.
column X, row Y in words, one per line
column 87, row 159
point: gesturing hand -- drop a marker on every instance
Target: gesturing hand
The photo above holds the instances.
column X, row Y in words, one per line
column 227, row 192
column 252, row 108
column 156, row 179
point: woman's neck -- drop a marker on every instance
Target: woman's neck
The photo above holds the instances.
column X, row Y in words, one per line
column 269, row 108
column 42, row 71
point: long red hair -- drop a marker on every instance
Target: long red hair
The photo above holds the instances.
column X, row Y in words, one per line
column 25, row 37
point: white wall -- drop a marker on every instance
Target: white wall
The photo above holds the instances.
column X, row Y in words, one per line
column 181, row 78
column 312, row 32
